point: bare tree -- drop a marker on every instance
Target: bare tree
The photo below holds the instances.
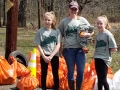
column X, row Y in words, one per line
column 49, row 5
column 4, row 16
column 0, row 13
column 53, row 5
column 22, row 13
column 39, row 11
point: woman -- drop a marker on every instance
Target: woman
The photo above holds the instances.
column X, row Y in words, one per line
column 73, row 51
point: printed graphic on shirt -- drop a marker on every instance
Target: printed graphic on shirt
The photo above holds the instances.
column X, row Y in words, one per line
column 101, row 45
column 71, row 30
column 48, row 40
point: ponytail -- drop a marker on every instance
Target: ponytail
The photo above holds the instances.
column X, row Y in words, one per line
column 108, row 27
column 54, row 20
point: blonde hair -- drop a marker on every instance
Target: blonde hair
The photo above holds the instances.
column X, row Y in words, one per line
column 52, row 14
column 108, row 27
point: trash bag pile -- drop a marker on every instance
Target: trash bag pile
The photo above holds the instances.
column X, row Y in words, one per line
column 10, row 72
column 7, row 72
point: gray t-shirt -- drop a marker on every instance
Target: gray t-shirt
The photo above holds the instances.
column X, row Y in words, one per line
column 68, row 28
column 104, row 41
column 47, row 39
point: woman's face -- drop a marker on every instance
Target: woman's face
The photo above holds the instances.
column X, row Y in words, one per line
column 48, row 20
column 73, row 11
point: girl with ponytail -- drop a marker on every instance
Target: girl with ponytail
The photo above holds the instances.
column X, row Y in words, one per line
column 48, row 39
column 105, row 44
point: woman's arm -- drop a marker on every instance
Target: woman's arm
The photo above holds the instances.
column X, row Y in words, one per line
column 60, row 50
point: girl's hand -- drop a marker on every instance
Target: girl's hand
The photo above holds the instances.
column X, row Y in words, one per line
column 50, row 57
column 46, row 59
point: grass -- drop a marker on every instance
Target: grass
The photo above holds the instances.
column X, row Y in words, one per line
column 25, row 44
column 24, row 40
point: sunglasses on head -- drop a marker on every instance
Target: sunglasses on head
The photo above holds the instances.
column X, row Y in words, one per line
column 73, row 9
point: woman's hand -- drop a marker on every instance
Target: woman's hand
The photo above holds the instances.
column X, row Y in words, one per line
column 60, row 52
column 85, row 50
column 85, row 34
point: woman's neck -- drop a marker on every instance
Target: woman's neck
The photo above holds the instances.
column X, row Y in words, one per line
column 73, row 17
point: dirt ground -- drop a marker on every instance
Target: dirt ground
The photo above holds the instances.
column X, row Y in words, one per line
column 9, row 87
column 14, row 87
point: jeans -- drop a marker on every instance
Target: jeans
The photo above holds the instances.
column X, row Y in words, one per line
column 75, row 56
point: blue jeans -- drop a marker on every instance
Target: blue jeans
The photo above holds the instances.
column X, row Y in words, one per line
column 75, row 56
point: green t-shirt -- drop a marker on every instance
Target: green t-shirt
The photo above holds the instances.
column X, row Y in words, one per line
column 104, row 41
column 68, row 28
column 47, row 39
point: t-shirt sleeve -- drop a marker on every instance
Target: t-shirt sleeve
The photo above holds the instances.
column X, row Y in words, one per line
column 61, row 27
column 37, row 38
column 112, row 42
column 59, row 37
column 85, row 21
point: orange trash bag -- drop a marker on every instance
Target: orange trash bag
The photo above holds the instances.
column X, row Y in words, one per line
column 89, row 76
column 7, row 72
column 21, row 69
column 27, row 83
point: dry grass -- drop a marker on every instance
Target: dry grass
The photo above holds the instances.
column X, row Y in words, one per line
column 24, row 40
column 25, row 44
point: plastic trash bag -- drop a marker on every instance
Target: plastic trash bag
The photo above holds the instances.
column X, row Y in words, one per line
column 21, row 70
column 7, row 72
column 28, row 83
column 110, row 82
column 116, row 81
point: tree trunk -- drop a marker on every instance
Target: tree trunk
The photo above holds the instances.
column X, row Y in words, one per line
column 4, row 16
column 42, row 8
column 39, row 12
column 0, row 13
column 49, row 5
column 11, row 29
column 53, row 5
column 22, row 13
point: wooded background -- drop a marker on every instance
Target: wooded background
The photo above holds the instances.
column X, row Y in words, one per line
column 30, row 12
